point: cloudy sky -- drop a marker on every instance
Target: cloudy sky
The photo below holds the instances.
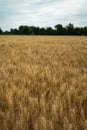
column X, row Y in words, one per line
column 43, row 13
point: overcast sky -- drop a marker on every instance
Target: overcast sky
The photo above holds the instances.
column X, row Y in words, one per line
column 43, row 13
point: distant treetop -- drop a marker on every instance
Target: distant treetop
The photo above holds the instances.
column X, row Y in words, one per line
column 58, row 30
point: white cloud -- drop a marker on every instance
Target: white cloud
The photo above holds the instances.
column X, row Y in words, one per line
column 14, row 13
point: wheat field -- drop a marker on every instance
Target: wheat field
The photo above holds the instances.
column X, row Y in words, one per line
column 43, row 83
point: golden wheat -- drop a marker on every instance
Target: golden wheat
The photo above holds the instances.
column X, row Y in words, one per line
column 43, row 83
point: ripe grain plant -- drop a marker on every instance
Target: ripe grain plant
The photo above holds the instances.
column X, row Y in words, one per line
column 43, row 83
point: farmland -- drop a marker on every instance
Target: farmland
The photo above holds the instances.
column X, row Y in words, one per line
column 43, row 83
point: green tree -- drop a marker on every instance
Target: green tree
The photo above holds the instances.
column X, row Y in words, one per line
column 14, row 31
column 70, row 29
column 1, row 32
column 78, row 31
column 42, row 31
column 49, row 31
column 59, row 29
column 85, row 31
column 36, row 30
column 24, row 30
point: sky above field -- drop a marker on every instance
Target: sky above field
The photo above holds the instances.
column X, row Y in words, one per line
column 42, row 13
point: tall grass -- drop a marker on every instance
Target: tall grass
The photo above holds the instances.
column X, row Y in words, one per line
column 43, row 83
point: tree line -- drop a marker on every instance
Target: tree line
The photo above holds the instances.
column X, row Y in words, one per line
column 57, row 30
